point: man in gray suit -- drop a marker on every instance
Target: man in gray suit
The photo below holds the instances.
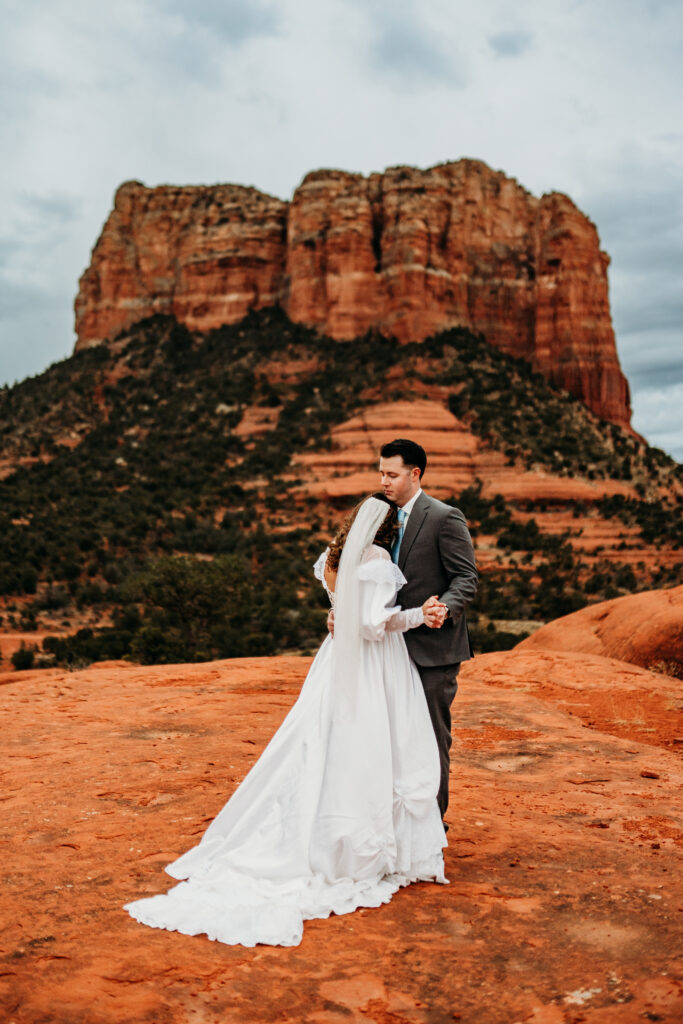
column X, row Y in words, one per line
column 434, row 551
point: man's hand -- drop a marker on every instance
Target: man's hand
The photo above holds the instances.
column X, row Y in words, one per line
column 434, row 612
column 330, row 622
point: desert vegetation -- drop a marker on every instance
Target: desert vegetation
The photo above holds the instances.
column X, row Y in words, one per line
column 139, row 520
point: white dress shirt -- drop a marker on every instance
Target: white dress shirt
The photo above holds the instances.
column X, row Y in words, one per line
column 408, row 507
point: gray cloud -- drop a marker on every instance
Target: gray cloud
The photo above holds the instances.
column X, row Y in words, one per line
column 510, row 44
column 15, row 299
column 261, row 93
column 641, row 226
column 233, row 21
column 404, row 46
column 192, row 41
column 35, row 300
column 410, row 54
column 652, row 359
column 51, row 209
column 657, row 308
column 660, row 408
column 35, row 331
column 9, row 247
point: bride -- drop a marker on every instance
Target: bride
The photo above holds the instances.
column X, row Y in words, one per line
column 340, row 809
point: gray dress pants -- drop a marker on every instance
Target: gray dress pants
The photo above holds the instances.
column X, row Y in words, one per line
column 440, row 686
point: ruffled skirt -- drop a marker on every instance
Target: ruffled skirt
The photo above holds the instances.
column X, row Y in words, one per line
column 338, row 813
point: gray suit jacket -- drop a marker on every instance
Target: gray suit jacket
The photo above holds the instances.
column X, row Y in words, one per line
column 436, row 557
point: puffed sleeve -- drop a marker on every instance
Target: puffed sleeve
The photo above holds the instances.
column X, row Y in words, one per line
column 380, row 580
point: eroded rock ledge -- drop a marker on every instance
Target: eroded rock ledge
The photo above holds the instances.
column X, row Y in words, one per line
column 406, row 252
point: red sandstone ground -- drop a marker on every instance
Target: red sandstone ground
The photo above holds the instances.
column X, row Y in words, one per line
column 564, row 898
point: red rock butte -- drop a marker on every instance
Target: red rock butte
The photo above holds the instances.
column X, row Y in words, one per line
column 407, row 252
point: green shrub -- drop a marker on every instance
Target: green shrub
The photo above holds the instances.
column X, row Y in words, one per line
column 82, row 519
column 486, row 640
column 29, row 581
column 23, row 658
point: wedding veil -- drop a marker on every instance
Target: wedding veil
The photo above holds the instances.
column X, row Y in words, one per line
column 347, row 634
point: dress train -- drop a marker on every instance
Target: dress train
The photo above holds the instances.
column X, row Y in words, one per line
column 339, row 811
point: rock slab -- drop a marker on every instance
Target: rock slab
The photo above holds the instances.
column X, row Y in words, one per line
column 644, row 629
column 563, row 903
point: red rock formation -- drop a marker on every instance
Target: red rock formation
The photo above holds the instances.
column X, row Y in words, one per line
column 206, row 254
column 645, row 629
column 457, row 458
column 346, row 468
column 407, row 252
column 562, row 853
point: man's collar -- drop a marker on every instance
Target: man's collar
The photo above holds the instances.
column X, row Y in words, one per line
column 408, row 507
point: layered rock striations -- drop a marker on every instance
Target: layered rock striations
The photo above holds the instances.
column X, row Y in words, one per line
column 407, row 252
column 206, row 254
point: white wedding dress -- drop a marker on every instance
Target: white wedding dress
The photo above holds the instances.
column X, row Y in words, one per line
column 340, row 809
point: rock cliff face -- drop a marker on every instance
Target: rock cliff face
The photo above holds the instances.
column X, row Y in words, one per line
column 206, row 254
column 406, row 252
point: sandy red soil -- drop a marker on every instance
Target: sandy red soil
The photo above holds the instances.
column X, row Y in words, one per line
column 564, row 848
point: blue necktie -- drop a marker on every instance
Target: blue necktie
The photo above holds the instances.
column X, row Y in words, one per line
column 396, row 546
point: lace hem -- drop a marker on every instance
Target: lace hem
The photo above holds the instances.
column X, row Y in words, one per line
column 402, row 621
column 319, row 567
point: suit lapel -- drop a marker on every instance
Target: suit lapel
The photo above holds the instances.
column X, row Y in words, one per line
column 415, row 521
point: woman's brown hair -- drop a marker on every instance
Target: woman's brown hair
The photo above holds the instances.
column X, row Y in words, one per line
column 387, row 532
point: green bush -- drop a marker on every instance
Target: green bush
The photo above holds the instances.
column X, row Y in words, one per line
column 486, row 640
column 23, row 658
column 186, row 605
column 162, row 474
column 29, row 581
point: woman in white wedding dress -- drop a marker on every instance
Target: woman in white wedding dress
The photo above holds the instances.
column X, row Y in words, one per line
column 340, row 809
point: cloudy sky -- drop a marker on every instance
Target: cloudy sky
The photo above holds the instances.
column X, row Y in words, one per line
column 579, row 96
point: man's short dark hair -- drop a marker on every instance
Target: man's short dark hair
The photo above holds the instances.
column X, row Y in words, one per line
column 412, row 454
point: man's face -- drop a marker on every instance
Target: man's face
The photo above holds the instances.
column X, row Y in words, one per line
column 399, row 483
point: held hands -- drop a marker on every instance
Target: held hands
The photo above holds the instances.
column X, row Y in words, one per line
column 434, row 612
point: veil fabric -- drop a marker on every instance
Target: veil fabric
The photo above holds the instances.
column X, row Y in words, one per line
column 353, row 834
column 347, row 601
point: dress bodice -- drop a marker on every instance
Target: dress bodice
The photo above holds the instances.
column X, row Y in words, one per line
column 375, row 565
column 380, row 580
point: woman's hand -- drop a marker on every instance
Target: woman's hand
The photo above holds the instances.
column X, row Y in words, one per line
column 434, row 612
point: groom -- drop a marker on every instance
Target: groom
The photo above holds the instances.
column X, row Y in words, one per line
column 434, row 552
